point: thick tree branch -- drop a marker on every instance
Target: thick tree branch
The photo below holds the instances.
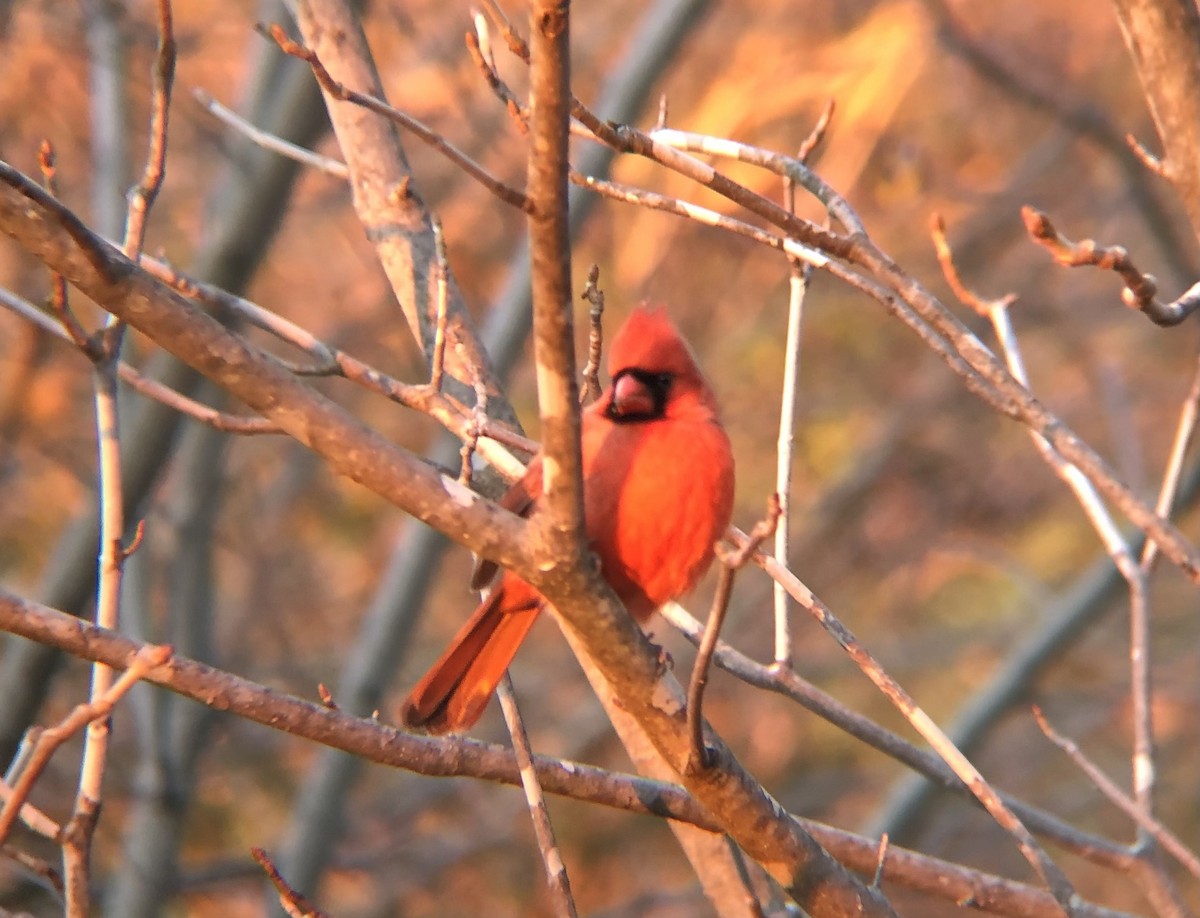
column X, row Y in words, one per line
column 550, row 260
column 1163, row 37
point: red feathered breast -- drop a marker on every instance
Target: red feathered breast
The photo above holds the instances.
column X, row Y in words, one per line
column 657, row 497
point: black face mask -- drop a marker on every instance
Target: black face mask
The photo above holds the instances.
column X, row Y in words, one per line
column 656, row 386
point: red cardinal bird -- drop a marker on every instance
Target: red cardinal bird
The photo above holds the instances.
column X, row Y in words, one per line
column 658, row 493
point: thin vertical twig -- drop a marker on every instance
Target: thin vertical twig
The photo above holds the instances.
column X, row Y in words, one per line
column 799, row 274
column 591, row 372
column 78, row 834
column 881, row 859
column 80, row 829
column 556, row 870
column 1185, row 431
column 143, row 195
column 784, row 454
column 479, row 423
column 438, row 362
column 59, row 301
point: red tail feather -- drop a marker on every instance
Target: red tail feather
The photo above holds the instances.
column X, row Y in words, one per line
column 455, row 691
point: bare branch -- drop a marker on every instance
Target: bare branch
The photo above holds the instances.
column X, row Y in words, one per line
column 151, row 388
column 349, row 446
column 143, row 195
column 1141, row 290
column 1148, row 159
column 419, row 130
column 296, row 905
column 591, row 372
column 550, row 257
column 1164, row 42
column 817, row 135
column 438, row 363
column 267, row 140
column 1115, row 544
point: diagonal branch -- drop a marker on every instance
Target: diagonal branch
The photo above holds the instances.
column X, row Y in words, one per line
column 50, row 232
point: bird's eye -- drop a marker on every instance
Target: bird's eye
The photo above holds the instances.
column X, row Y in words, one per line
column 663, row 380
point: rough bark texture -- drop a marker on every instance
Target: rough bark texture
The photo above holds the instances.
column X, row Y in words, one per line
column 1163, row 37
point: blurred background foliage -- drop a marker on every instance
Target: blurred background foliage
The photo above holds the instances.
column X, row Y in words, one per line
column 924, row 519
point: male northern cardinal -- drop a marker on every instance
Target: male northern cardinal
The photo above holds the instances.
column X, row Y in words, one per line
column 658, row 493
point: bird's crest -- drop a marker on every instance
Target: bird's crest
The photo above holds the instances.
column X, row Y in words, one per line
column 649, row 341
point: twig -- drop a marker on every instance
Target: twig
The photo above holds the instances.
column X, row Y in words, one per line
column 143, row 195
column 1141, row 290
column 884, row 845
column 791, row 685
column 556, row 871
column 147, row 386
column 296, row 905
column 516, row 44
column 1079, row 115
column 798, row 276
column 144, row 659
column 438, row 363
column 31, row 816
column 664, row 146
column 817, row 134
column 267, row 140
column 479, row 423
column 1153, row 163
column 59, row 299
column 106, row 358
column 997, row 312
column 333, row 361
column 487, row 66
column 731, row 562
column 37, row 867
column 504, row 192
column 656, row 201
column 591, row 372
column 783, row 463
column 1185, row 431
column 1130, row 807
column 77, row 835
